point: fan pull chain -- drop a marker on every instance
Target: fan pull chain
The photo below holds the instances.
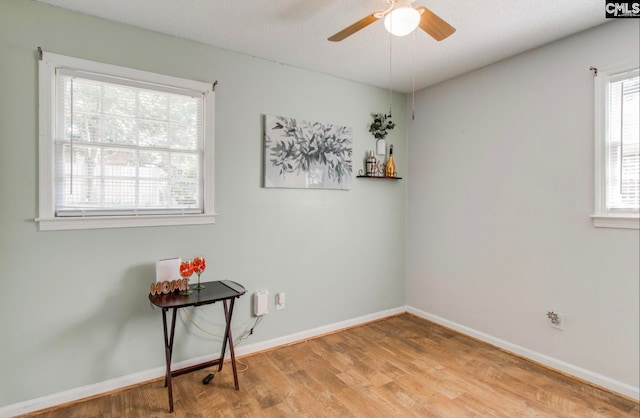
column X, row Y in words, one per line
column 71, row 142
column 413, row 75
column 390, row 61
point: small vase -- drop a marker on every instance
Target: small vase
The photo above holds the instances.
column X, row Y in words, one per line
column 381, row 147
column 315, row 174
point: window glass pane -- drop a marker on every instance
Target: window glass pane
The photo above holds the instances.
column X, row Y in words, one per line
column 119, row 193
column 86, row 95
column 185, row 173
column 184, row 110
column 146, row 174
column 152, row 134
column 86, row 127
column 119, row 130
column 183, row 137
column 153, row 105
column 623, row 134
column 83, row 195
column 119, row 100
column 153, row 194
column 119, row 185
column 154, row 164
column 86, row 169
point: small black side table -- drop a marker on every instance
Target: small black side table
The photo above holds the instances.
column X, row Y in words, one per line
column 225, row 291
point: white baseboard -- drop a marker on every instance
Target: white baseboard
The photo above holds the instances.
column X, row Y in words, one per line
column 79, row 393
column 570, row 369
column 315, row 332
column 144, row 376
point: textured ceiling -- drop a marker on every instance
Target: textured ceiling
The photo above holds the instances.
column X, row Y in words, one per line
column 295, row 32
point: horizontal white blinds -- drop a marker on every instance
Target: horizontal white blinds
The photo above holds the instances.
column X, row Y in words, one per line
column 122, row 81
column 126, row 147
column 623, row 151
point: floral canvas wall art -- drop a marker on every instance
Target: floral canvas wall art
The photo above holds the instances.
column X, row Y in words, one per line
column 308, row 155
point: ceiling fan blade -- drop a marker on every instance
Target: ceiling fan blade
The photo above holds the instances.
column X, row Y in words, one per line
column 434, row 25
column 360, row 24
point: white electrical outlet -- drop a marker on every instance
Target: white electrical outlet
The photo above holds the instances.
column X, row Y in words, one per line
column 280, row 299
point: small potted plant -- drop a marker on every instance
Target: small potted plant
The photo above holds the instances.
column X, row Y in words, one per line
column 379, row 128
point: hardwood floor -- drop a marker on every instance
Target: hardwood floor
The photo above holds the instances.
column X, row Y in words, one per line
column 402, row 366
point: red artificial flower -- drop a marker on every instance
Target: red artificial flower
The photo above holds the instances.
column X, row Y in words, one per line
column 186, row 268
column 199, row 264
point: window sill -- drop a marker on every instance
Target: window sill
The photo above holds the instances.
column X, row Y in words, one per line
column 624, row 222
column 99, row 222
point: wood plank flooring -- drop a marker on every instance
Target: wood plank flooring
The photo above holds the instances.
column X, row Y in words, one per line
column 402, row 366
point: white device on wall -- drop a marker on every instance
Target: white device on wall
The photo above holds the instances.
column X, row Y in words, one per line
column 261, row 302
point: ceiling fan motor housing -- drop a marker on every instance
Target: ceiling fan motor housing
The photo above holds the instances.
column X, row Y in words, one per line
column 400, row 19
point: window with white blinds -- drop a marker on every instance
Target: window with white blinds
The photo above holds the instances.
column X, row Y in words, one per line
column 618, row 146
column 125, row 147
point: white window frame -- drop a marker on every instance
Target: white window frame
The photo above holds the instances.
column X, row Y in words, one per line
column 47, row 219
column 602, row 216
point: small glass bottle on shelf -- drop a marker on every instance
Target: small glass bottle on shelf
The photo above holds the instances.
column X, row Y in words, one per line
column 371, row 164
column 390, row 167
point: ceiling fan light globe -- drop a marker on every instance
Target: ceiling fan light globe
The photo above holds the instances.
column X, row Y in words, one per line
column 402, row 20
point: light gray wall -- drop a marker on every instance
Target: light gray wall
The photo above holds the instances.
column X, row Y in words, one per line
column 74, row 304
column 500, row 194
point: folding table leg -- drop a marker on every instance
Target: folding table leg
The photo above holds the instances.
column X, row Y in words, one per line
column 228, row 312
column 168, row 351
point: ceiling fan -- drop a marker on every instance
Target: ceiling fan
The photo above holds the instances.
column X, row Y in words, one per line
column 400, row 19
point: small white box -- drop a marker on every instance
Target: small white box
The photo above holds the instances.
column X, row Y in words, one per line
column 168, row 270
column 261, row 302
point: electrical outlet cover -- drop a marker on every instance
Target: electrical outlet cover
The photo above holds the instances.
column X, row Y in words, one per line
column 261, row 302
